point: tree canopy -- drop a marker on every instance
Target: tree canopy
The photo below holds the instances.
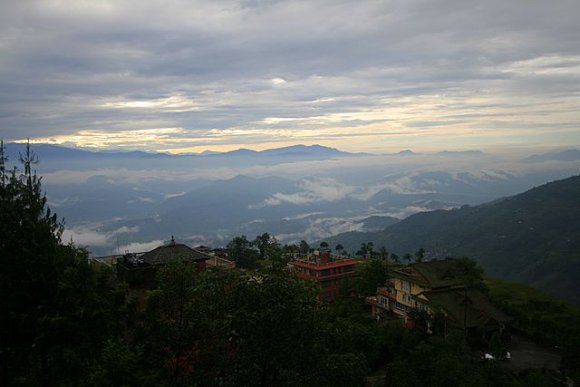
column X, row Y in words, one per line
column 48, row 289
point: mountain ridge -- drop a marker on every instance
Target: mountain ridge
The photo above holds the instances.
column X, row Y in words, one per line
column 59, row 151
column 532, row 237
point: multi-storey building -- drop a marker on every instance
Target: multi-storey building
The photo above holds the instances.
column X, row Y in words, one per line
column 433, row 287
column 335, row 274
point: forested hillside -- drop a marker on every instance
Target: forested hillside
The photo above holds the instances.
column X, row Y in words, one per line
column 533, row 237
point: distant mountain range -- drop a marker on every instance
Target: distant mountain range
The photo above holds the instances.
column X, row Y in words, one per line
column 58, row 152
column 561, row 155
column 49, row 151
column 533, row 237
column 294, row 150
column 122, row 201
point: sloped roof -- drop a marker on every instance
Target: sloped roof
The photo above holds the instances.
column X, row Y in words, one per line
column 173, row 251
column 433, row 274
column 478, row 309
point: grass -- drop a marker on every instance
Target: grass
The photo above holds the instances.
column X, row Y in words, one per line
column 542, row 317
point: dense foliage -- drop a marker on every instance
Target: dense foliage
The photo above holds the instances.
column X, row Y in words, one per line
column 54, row 310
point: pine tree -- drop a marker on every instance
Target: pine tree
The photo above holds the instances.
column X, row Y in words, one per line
column 29, row 237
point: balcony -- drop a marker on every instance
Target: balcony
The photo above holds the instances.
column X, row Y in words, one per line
column 311, row 264
column 387, row 292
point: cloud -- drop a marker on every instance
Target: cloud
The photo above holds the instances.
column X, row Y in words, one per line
column 303, row 216
column 92, row 235
column 174, row 195
column 325, row 189
column 315, row 190
column 405, row 212
column 139, row 247
column 322, row 228
column 366, row 75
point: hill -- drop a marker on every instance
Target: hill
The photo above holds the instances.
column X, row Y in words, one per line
column 533, row 237
column 49, row 152
column 294, row 151
column 563, row 155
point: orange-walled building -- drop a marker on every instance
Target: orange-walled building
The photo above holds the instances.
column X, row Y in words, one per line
column 335, row 274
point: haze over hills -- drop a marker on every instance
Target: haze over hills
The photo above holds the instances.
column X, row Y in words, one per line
column 560, row 155
column 533, row 237
column 117, row 201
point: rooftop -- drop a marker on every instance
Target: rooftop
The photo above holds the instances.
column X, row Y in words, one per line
column 477, row 308
column 435, row 274
column 164, row 254
column 323, row 261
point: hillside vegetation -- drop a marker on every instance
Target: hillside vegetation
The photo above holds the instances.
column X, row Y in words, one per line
column 532, row 237
column 541, row 317
column 538, row 315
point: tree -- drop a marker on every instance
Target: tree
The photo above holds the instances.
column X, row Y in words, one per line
column 277, row 331
column 420, row 255
column 175, row 328
column 55, row 310
column 304, row 247
column 373, row 275
column 370, row 246
column 269, row 248
column 84, row 313
column 339, row 249
column 262, row 242
column 242, row 252
column 471, row 276
column 366, row 250
column 228, row 328
column 384, row 253
column 290, row 250
column 469, row 271
column 29, row 236
column 323, row 245
column 119, row 365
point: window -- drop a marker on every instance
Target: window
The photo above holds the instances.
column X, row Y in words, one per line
column 406, row 286
column 399, row 306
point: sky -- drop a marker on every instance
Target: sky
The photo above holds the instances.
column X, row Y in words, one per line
column 367, row 75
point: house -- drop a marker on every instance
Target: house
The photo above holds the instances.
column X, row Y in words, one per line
column 140, row 269
column 217, row 261
column 334, row 274
column 218, row 257
column 432, row 287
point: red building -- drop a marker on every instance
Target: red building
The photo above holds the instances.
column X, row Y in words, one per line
column 334, row 274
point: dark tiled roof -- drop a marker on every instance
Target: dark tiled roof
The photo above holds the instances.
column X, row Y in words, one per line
column 433, row 274
column 164, row 254
column 478, row 309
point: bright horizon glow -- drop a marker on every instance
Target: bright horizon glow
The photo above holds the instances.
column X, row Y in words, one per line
column 368, row 76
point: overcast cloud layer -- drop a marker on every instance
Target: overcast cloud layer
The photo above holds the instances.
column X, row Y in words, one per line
column 181, row 75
